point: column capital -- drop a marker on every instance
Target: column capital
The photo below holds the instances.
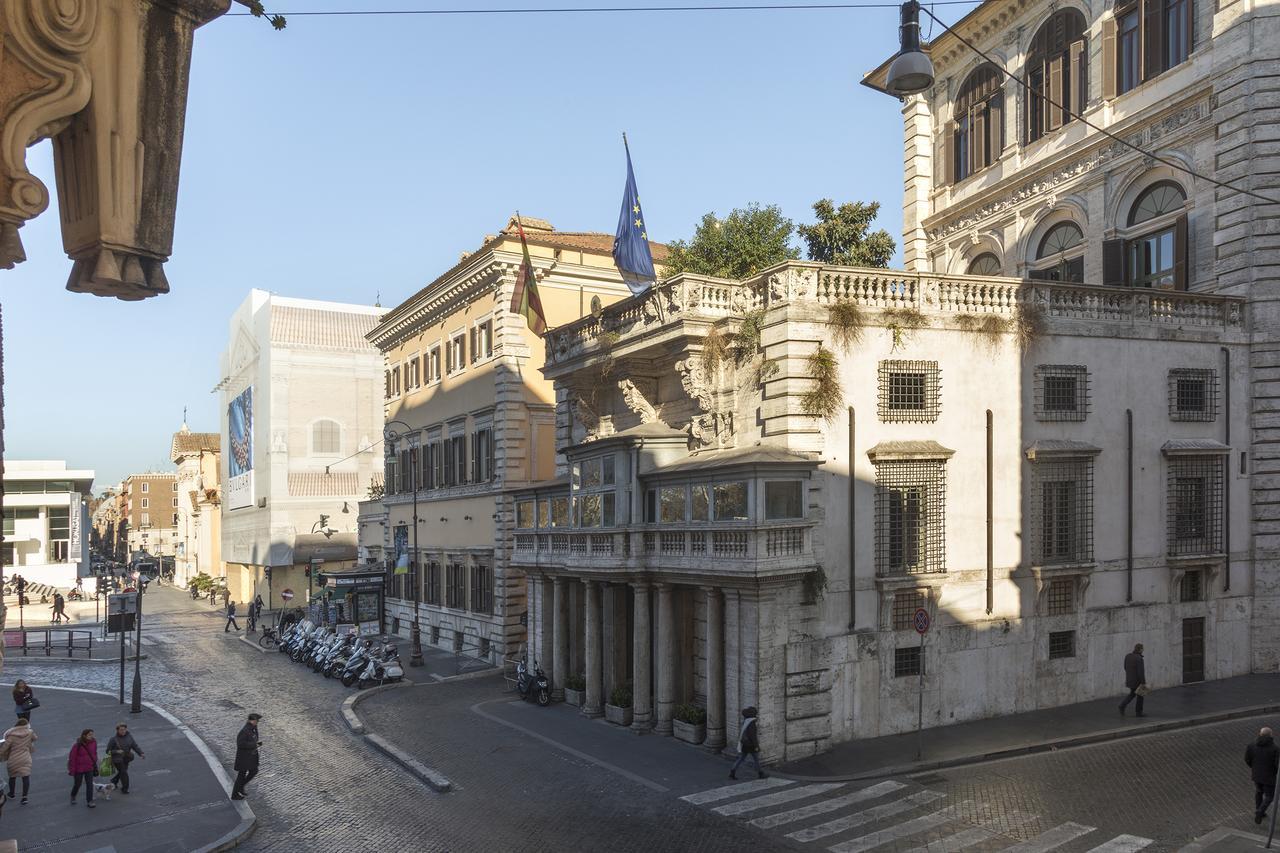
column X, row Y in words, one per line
column 641, row 586
column 557, row 580
column 662, row 586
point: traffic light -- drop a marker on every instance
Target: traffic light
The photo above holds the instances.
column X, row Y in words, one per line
column 100, row 584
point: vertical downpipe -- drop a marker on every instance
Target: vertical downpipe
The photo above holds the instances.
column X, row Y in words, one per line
column 853, row 562
column 1226, row 469
column 991, row 580
column 1128, row 560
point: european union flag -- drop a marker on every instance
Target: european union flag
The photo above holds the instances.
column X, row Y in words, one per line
column 631, row 243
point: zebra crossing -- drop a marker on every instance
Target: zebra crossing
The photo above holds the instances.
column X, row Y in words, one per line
column 892, row 815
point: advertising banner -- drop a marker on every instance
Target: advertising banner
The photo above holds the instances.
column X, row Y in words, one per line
column 240, row 458
column 76, row 531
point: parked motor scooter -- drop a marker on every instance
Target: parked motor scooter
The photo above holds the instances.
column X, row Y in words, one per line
column 533, row 685
column 356, row 663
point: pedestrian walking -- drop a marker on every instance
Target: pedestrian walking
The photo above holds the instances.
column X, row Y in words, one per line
column 19, row 743
column 246, row 765
column 120, row 749
column 24, row 701
column 257, row 608
column 748, row 744
column 82, row 766
column 1135, row 679
column 226, row 596
column 231, row 618
column 60, row 608
column 1263, row 758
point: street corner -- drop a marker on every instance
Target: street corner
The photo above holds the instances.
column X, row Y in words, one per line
column 176, row 788
column 1227, row 840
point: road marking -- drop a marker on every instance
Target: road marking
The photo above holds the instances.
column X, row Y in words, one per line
column 1122, row 844
column 983, row 831
column 877, row 790
column 1055, row 837
column 777, row 798
column 716, row 794
column 831, row 827
column 902, row 830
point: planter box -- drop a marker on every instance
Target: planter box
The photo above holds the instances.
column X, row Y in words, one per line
column 574, row 697
column 688, row 732
column 618, row 716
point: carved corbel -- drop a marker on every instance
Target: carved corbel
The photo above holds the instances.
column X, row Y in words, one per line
column 636, row 393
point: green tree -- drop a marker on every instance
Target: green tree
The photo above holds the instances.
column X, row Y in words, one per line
column 840, row 236
column 739, row 246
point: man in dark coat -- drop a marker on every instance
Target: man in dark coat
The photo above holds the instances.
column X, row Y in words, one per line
column 246, row 765
column 748, row 744
column 231, row 618
column 1135, row 676
column 1263, row 758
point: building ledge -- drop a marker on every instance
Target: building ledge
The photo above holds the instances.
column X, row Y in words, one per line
column 1194, row 447
column 892, row 451
column 1059, row 448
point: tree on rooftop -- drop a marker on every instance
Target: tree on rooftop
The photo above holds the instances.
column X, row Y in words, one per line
column 740, row 245
column 840, row 236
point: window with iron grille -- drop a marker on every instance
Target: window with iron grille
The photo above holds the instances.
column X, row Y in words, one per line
column 481, row 587
column 1063, row 507
column 905, row 604
column 910, row 391
column 1193, row 394
column 1194, row 513
column 910, row 517
column 1062, row 392
column 1062, row 596
column 1062, row 644
column 1191, row 587
column 431, row 589
column 456, row 586
column 907, row 661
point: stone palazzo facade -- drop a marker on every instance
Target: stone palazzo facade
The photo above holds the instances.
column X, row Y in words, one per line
column 760, row 483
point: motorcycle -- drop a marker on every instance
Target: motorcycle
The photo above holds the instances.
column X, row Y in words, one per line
column 356, row 663
column 533, row 685
column 338, row 660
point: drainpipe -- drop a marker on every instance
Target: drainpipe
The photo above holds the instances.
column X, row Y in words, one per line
column 853, row 562
column 990, row 520
column 1128, row 595
column 1226, row 468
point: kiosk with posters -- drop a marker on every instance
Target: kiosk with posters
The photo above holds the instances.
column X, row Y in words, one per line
column 355, row 597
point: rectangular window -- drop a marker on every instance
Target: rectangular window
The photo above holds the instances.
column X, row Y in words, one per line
column 146, row 518
column 175, row 502
column 910, row 391
column 651, row 506
column 433, row 365
column 482, row 455
column 1062, row 644
column 1061, row 392
column 673, row 504
column 588, row 510
column 1194, row 514
column 910, row 517
column 456, row 586
column 175, row 519
column 146, row 487
column 524, row 515
column 589, row 474
column 905, row 604
column 907, row 662
column 481, row 587
column 1064, row 503
column 1191, row 587
column 1193, row 394
column 783, row 499
column 700, row 506
column 481, row 341
column 9, row 519
column 146, row 503
column 731, row 501
column 608, row 509
column 458, row 351
column 1128, row 49
column 431, row 590
column 1061, row 596
column 1177, row 31
column 560, row 512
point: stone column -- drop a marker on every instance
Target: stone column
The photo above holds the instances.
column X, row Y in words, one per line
column 641, row 699
column 592, row 706
column 560, row 656
column 666, row 632
column 715, row 670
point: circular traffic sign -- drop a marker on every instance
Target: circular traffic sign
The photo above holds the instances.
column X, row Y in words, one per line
column 286, row 594
column 921, row 621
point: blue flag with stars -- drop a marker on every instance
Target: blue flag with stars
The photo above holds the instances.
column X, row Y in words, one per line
column 631, row 243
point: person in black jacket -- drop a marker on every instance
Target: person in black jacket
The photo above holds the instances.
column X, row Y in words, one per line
column 246, row 765
column 121, row 748
column 748, row 744
column 1263, row 757
column 1135, row 676
column 231, row 618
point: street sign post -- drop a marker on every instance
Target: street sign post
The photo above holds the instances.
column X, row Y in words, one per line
column 920, row 621
column 120, row 606
column 286, row 594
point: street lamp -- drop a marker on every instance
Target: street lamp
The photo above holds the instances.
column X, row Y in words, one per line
column 390, row 436
column 911, row 71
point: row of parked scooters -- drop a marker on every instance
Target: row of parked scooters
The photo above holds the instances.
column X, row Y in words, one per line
column 360, row 661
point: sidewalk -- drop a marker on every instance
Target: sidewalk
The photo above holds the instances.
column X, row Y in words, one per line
column 1038, row 731
column 177, row 800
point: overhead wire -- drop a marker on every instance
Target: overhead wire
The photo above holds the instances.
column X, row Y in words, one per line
column 710, row 7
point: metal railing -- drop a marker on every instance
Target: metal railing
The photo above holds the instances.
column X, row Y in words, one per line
column 73, row 640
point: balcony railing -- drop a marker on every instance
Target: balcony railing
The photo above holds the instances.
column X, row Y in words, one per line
column 688, row 297
column 649, row 545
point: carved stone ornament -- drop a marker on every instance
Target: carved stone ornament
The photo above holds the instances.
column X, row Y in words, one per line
column 107, row 80
column 636, row 393
column 586, row 417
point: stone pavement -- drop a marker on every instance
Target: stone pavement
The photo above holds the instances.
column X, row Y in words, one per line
column 178, row 799
column 1051, row 728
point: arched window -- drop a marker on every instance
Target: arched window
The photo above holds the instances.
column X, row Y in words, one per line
column 326, row 437
column 1156, row 247
column 1143, row 39
column 1057, row 78
column 985, row 264
column 976, row 136
column 1060, row 255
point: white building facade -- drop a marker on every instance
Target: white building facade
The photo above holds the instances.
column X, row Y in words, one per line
column 46, row 521
column 199, row 529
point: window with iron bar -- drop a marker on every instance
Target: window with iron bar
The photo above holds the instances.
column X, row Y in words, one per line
column 481, row 587
column 910, row 517
column 1062, row 392
column 1191, row 587
column 1062, row 644
column 456, row 586
column 907, row 661
column 1194, row 513
column 910, row 391
column 905, row 604
column 1064, row 511
column 1062, row 596
column 1193, row 394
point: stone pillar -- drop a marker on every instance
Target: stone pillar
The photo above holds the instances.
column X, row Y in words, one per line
column 641, row 699
column 611, row 636
column 733, row 662
column 545, row 650
column 592, row 706
column 715, row 670
column 560, row 656
column 666, row 632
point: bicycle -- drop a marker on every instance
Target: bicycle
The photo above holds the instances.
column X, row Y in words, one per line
column 269, row 638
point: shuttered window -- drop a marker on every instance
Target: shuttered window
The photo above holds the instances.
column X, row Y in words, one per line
column 1151, row 36
column 1057, row 73
column 978, row 130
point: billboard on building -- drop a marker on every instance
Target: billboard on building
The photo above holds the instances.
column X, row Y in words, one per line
column 240, row 457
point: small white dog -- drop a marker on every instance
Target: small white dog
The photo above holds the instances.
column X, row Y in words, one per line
column 103, row 789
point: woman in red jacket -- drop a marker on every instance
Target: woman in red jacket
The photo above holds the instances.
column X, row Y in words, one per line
column 82, row 764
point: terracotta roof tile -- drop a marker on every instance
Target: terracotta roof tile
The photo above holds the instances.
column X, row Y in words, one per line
column 317, row 484
column 314, row 327
column 187, row 443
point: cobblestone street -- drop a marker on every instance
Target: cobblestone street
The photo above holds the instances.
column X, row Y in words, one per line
column 324, row 789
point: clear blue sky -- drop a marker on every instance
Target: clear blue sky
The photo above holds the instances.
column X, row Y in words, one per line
column 348, row 156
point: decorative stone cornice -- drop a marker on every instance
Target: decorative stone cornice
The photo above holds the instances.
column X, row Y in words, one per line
column 437, row 302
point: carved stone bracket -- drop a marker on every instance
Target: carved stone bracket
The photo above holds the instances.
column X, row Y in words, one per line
column 636, row 393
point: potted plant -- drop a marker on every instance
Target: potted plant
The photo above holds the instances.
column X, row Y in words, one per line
column 690, row 723
column 618, row 709
column 575, row 689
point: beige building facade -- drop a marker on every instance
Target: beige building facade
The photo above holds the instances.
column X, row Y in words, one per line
column 199, row 533
column 151, row 506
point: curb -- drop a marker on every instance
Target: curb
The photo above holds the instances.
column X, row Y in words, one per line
column 429, row 775
column 256, row 647
column 915, row 768
column 28, row 659
column 463, row 676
